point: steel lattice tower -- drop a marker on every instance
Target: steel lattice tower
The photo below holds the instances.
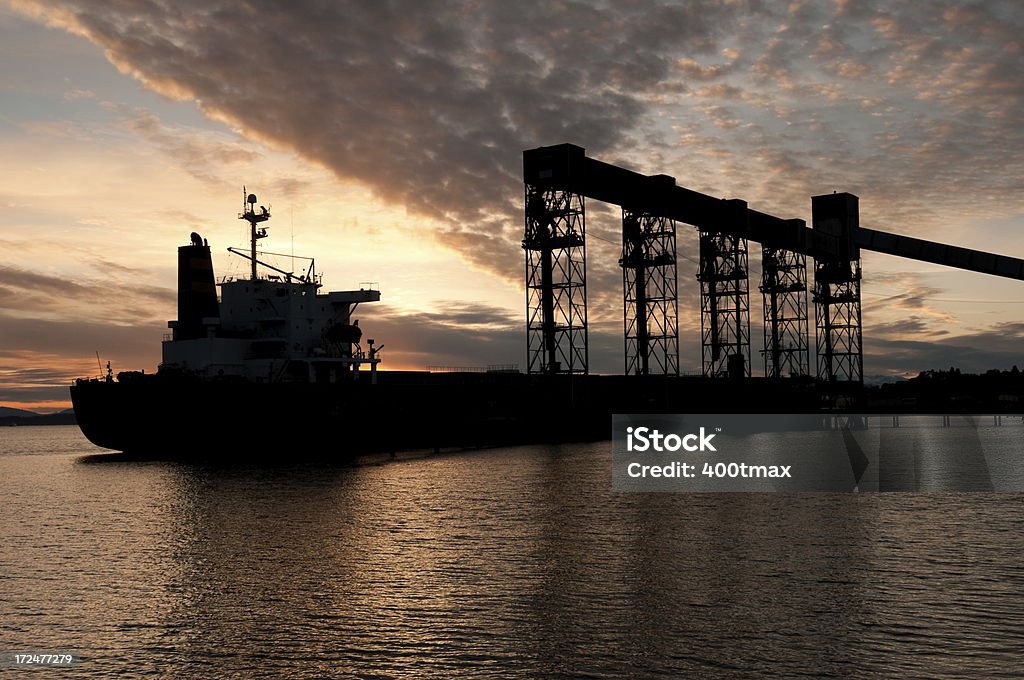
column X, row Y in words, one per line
column 784, row 293
column 837, row 303
column 649, row 286
column 724, row 305
column 558, row 178
column 837, row 289
column 556, row 281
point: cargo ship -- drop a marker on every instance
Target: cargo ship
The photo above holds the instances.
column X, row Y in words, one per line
column 277, row 368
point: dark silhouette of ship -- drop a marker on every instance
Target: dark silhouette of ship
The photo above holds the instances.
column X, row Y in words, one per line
column 276, row 369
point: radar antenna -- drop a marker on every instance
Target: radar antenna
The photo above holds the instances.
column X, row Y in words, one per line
column 253, row 217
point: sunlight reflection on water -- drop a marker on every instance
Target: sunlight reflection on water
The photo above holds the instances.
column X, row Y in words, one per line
column 515, row 561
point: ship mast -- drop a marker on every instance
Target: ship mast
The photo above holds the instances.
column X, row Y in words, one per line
column 250, row 215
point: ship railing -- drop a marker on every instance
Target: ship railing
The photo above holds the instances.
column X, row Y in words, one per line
column 503, row 368
column 490, row 368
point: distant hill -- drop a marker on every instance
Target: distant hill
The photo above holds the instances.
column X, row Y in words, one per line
column 7, row 411
column 18, row 416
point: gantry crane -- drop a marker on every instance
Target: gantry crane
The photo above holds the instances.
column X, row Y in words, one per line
column 559, row 178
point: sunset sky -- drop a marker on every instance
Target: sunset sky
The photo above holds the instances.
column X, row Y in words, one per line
column 387, row 138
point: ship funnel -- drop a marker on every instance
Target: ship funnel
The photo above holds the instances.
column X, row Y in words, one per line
column 197, row 292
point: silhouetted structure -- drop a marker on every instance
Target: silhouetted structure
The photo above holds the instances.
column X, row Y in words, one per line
column 556, row 280
column 837, row 290
column 197, row 291
column 724, row 304
column 650, row 315
column 784, row 294
column 559, row 178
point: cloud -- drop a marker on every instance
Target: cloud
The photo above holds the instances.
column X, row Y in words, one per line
column 431, row 103
column 909, row 328
column 202, row 158
column 470, row 335
column 137, row 346
column 47, row 391
column 32, row 294
column 997, row 347
column 454, row 335
column 428, row 103
column 40, row 378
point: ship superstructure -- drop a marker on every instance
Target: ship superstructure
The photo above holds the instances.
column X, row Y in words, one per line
column 270, row 327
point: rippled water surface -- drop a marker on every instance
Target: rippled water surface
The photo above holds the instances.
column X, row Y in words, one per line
column 505, row 562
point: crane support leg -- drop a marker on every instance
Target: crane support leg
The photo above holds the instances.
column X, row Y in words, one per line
column 725, row 304
column 837, row 290
column 784, row 293
column 556, row 283
column 649, row 289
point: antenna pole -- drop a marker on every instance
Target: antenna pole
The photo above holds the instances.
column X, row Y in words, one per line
column 252, row 241
column 254, row 217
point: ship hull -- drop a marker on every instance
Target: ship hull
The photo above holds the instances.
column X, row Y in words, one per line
column 179, row 416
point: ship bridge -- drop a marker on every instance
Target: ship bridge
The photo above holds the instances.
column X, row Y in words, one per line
column 265, row 328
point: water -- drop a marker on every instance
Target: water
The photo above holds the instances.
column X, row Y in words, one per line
column 506, row 562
